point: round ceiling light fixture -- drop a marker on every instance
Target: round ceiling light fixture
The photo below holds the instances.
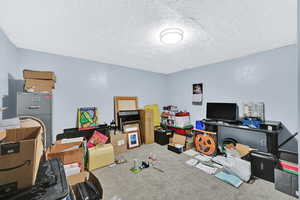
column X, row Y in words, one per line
column 171, row 35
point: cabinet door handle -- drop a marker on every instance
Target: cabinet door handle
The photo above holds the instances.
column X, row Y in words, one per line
column 34, row 107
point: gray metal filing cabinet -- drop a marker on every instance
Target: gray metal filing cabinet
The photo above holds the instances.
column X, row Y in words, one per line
column 38, row 105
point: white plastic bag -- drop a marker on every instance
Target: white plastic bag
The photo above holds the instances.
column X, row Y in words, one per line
column 235, row 166
column 238, row 167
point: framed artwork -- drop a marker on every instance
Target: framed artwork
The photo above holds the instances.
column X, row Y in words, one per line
column 197, row 94
column 133, row 139
column 124, row 103
column 133, row 127
column 87, row 117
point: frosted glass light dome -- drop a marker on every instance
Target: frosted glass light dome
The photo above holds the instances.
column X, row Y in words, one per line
column 171, row 36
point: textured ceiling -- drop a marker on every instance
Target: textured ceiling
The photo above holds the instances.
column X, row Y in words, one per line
column 126, row 32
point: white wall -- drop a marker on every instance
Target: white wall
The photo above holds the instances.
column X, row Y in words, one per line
column 269, row 77
column 8, row 67
column 87, row 83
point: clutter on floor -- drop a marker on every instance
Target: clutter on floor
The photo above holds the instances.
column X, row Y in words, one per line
column 177, row 180
column 228, row 149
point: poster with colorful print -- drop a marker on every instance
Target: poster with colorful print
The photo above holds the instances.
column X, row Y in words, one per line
column 87, row 117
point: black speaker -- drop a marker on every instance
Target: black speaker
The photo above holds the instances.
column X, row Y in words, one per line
column 263, row 165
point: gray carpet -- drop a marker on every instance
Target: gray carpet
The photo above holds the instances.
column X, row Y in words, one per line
column 179, row 181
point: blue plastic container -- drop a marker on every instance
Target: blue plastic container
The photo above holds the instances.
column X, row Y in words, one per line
column 200, row 125
column 253, row 123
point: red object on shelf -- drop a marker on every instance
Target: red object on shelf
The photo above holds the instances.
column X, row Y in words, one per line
column 288, row 166
column 180, row 131
column 182, row 114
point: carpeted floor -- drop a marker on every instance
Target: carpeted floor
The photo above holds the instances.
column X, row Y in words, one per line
column 179, row 181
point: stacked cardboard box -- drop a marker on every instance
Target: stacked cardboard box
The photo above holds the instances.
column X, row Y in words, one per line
column 39, row 81
column 69, row 153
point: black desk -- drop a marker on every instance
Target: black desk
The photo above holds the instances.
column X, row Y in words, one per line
column 260, row 139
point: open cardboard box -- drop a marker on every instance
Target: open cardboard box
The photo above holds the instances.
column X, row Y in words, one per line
column 68, row 153
column 241, row 149
column 20, row 155
column 177, row 139
column 81, row 177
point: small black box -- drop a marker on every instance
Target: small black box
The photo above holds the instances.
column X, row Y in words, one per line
column 162, row 137
column 263, row 165
column 175, row 149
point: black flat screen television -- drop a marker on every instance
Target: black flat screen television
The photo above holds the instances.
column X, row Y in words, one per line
column 222, row 111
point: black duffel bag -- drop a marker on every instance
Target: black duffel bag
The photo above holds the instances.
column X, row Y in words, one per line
column 87, row 191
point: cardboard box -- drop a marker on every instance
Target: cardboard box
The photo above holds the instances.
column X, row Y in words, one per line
column 147, row 127
column 20, row 155
column 2, row 135
column 84, row 176
column 119, row 143
column 68, row 153
column 243, row 149
column 177, row 139
column 100, row 156
column 35, row 85
column 44, row 75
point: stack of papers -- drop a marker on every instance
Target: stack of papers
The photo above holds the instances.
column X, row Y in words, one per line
column 229, row 178
column 217, row 165
column 70, row 140
column 203, row 158
column 72, row 169
column 220, row 160
column 206, row 169
column 192, row 162
column 191, row 152
column 71, row 148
